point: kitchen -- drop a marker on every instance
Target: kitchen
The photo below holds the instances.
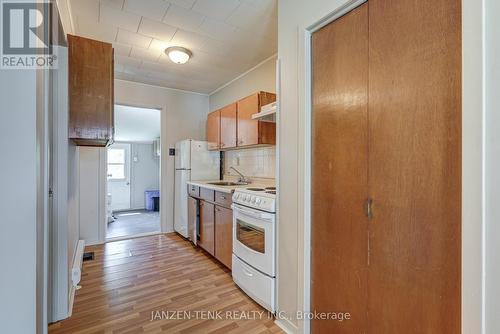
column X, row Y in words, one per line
column 320, row 167
column 227, row 212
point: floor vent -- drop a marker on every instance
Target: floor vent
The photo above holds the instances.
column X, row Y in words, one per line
column 89, row 256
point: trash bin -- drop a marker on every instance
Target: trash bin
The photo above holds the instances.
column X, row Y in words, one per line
column 156, row 203
column 149, row 195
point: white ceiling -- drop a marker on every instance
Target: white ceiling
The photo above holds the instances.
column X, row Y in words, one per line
column 227, row 37
column 136, row 124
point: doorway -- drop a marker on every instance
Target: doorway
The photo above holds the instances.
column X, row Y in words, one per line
column 133, row 174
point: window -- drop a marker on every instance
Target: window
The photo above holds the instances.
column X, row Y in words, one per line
column 116, row 163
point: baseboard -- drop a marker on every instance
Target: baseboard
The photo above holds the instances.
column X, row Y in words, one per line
column 286, row 326
column 76, row 271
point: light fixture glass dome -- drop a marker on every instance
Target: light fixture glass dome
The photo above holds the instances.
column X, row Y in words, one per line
column 178, row 55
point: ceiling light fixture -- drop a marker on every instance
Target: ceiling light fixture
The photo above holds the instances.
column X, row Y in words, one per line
column 178, row 54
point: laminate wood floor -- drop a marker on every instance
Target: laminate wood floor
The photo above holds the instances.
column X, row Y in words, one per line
column 133, row 286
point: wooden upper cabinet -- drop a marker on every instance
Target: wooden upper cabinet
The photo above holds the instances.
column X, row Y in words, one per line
column 254, row 132
column 90, row 88
column 228, row 126
column 213, row 130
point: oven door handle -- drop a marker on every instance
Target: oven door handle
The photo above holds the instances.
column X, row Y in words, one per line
column 252, row 213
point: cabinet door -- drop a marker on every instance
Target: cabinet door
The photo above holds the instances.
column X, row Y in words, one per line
column 192, row 218
column 253, row 132
column 228, row 126
column 207, row 227
column 248, row 129
column 339, row 172
column 90, row 89
column 224, row 235
column 213, row 130
column 415, row 166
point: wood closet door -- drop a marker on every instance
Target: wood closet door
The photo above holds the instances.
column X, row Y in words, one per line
column 339, row 172
column 415, row 166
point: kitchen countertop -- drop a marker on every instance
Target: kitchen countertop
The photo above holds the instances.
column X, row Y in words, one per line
column 230, row 189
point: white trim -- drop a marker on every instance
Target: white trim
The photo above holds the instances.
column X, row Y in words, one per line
column 243, row 74
column 163, row 214
column 162, row 87
column 103, row 185
column 473, row 161
column 277, row 177
column 286, row 326
column 483, row 168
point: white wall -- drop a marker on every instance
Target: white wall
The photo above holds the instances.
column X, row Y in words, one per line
column 18, row 199
column 260, row 78
column 183, row 115
column 293, row 18
column 92, row 190
column 144, row 173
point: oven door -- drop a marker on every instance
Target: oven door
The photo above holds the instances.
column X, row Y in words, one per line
column 254, row 238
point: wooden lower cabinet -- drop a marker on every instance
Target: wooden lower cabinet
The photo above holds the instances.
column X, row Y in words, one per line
column 207, row 227
column 224, row 235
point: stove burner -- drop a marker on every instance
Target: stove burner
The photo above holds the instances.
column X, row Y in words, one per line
column 270, row 188
column 255, row 189
column 271, row 192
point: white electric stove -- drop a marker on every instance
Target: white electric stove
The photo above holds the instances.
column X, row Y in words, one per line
column 254, row 243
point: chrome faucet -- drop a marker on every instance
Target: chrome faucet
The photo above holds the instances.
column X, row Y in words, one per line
column 242, row 177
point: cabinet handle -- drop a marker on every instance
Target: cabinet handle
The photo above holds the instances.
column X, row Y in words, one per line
column 223, row 197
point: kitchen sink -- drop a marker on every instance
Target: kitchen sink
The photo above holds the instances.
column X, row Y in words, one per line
column 228, row 183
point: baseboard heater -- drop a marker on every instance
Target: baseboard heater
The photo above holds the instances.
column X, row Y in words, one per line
column 76, row 273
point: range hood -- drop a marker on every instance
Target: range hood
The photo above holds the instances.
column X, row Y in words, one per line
column 267, row 113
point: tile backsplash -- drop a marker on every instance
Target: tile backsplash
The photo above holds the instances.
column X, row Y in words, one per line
column 255, row 162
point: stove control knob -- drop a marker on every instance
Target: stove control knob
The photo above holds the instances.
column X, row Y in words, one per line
column 253, row 199
column 245, row 197
column 236, row 196
column 257, row 201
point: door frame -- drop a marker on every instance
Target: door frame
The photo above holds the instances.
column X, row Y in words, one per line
column 473, row 148
column 162, row 171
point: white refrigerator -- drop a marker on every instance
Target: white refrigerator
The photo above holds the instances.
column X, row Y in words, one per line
column 193, row 162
